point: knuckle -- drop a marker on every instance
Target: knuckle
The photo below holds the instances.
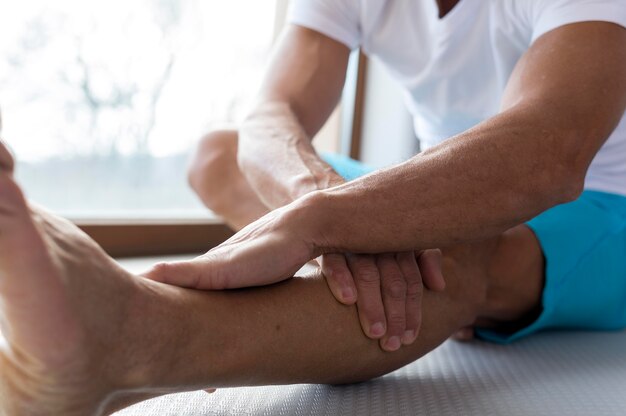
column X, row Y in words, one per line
column 340, row 280
column 161, row 269
column 412, row 274
column 336, row 271
column 414, row 289
column 413, row 300
column 396, row 289
column 366, row 272
column 395, row 320
column 217, row 281
column 338, row 275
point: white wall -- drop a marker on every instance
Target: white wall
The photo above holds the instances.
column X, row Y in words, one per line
column 388, row 136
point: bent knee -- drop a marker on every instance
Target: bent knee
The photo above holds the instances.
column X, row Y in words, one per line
column 215, row 155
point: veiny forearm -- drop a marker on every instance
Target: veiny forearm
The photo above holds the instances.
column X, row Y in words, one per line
column 277, row 158
column 476, row 185
column 302, row 86
column 534, row 154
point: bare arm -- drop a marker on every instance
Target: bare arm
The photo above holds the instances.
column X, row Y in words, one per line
column 302, row 86
column 565, row 97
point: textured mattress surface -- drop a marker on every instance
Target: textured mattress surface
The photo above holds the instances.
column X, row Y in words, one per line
column 558, row 373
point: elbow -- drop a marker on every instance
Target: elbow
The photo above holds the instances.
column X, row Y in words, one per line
column 560, row 167
column 560, row 184
column 211, row 171
column 204, row 169
column 571, row 189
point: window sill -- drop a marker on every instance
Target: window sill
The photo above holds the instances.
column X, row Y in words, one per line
column 133, row 237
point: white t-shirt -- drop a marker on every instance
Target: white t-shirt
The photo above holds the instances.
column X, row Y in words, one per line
column 454, row 70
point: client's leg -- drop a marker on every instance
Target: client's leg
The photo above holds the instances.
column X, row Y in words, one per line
column 84, row 335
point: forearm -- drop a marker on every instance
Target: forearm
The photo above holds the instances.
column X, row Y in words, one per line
column 277, row 158
column 530, row 157
column 476, row 185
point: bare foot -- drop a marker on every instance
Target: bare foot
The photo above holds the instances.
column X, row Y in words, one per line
column 60, row 314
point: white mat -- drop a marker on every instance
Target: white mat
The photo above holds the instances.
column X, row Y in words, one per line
column 547, row 374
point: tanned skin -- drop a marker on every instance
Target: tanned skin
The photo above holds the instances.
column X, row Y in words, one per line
column 531, row 156
column 84, row 337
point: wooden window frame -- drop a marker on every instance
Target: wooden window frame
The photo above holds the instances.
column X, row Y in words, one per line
column 132, row 238
column 353, row 105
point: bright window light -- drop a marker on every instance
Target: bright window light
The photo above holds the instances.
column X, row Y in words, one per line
column 102, row 102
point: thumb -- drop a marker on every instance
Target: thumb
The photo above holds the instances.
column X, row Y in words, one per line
column 199, row 273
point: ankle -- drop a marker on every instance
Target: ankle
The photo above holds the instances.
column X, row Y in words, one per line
column 132, row 364
column 152, row 336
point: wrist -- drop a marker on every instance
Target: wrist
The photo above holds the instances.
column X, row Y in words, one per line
column 311, row 216
column 277, row 186
column 262, row 176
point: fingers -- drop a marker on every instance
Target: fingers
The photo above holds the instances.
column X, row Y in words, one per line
column 199, row 273
column 389, row 288
column 370, row 303
column 394, row 290
column 414, row 290
column 339, row 278
column 178, row 273
column 429, row 262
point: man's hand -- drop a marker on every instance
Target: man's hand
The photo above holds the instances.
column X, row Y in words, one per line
column 273, row 248
column 300, row 90
column 387, row 289
column 267, row 251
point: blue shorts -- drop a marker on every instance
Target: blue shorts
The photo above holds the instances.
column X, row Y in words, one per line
column 584, row 245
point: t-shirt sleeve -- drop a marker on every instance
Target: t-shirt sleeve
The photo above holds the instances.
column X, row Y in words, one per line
column 337, row 19
column 550, row 14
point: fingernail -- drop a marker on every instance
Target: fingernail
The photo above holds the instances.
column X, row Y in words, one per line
column 347, row 293
column 408, row 337
column 377, row 329
column 393, row 343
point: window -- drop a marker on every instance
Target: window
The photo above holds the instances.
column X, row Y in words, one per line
column 102, row 102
